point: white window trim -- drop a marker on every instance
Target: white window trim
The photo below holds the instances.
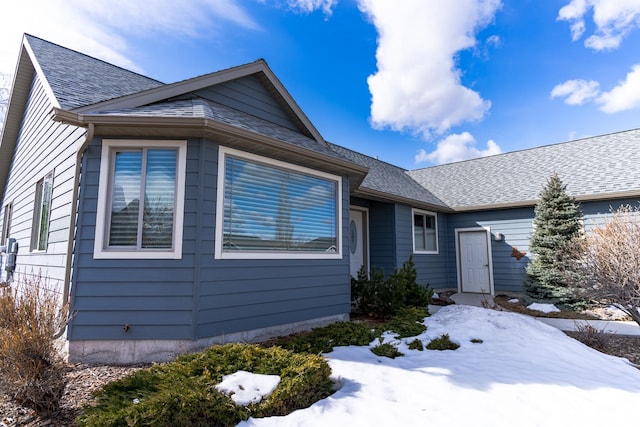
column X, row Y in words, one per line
column 6, row 223
column 36, row 229
column 99, row 249
column 220, row 254
column 413, row 231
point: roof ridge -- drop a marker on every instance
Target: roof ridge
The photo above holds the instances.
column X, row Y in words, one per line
column 554, row 144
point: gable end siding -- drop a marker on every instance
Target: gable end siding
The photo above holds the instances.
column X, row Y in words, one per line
column 248, row 95
column 42, row 146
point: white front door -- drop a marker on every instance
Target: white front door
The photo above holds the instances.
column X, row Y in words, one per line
column 474, row 261
column 358, row 250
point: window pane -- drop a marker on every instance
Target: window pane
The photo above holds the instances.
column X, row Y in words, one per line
column 267, row 208
column 418, row 232
column 45, row 210
column 6, row 224
column 425, row 235
column 430, row 233
column 159, row 199
column 125, row 198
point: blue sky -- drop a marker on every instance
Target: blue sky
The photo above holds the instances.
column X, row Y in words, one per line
column 413, row 82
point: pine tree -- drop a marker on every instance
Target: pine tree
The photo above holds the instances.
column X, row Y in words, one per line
column 557, row 227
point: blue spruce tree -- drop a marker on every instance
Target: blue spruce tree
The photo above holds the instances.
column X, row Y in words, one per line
column 557, row 226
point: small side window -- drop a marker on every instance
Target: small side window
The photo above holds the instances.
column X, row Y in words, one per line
column 425, row 232
column 41, row 212
column 6, row 223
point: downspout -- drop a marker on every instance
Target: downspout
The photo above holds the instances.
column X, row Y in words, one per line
column 72, row 222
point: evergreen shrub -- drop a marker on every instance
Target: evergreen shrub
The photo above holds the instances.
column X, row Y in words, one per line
column 443, row 342
column 183, row 392
column 373, row 295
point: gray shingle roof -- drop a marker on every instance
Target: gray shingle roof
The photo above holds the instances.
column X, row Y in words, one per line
column 386, row 178
column 591, row 168
column 206, row 109
column 78, row 80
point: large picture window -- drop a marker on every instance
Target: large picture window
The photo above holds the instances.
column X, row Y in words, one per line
column 271, row 209
column 425, row 234
column 41, row 212
column 141, row 200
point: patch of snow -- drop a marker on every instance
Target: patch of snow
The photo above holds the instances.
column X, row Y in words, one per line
column 514, row 300
column 524, row 370
column 545, row 308
column 435, row 295
column 246, row 387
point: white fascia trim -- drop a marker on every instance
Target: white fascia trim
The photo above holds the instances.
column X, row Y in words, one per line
column 219, row 236
column 413, row 232
column 99, row 250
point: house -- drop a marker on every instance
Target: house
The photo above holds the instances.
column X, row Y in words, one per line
column 175, row 216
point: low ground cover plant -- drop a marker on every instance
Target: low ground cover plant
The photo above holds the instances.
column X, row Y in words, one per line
column 416, row 344
column 323, row 339
column 183, row 392
column 386, row 350
column 443, row 342
column 407, row 322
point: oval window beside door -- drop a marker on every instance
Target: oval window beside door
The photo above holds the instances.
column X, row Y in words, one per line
column 353, row 236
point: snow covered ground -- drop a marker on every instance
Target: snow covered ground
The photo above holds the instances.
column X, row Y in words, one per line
column 524, row 373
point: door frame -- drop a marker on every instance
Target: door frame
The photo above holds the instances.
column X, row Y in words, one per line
column 364, row 240
column 487, row 230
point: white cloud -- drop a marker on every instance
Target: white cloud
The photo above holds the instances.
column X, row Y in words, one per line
column 494, row 40
column 455, row 148
column 614, row 20
column 625, row 96
column 100, row 28
column 308, row 6
column 576, row 92
column 417, row 86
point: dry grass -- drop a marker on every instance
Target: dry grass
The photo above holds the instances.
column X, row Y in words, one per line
column 32, row 371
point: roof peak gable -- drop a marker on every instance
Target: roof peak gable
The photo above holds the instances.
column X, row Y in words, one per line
column 258, row 68
column 88, row 81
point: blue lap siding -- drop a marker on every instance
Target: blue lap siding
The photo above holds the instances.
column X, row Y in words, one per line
column 516, row 226
column 197, row 296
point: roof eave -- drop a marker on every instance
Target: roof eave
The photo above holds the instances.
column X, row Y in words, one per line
column 530, row 203
column 111, row 125
column 370, row 193
column 22, row 80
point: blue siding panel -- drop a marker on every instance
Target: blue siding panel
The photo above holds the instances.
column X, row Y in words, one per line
column 516, row 226
column 197, row 296
column 42, row 146
column 382, row 242
column 247, row 94
column 431, row 268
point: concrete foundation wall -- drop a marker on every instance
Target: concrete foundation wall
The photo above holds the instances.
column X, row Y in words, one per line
column 125, row 352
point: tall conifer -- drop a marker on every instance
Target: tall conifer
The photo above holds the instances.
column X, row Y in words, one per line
column 557, row 226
